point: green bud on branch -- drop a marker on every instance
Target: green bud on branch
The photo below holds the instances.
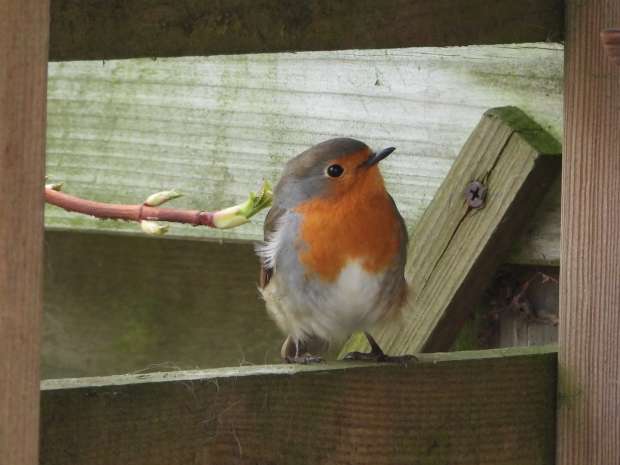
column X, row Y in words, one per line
column 159, row 198
column 153, row 228
column 241, row 213
column 149, row 213
column 56, row 186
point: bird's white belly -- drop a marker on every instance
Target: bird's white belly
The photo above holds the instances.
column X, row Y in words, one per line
column 329, row 310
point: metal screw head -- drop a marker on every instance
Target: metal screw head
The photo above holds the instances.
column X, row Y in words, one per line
column 475, row 194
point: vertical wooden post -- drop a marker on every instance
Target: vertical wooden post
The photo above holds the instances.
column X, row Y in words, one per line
column 589, row 398
column 23, row 79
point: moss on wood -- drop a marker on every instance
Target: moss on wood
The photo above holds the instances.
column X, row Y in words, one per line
column 484, row 408
column 215, row 127
column 121, row 304
column 92, row 29
column 456, row 249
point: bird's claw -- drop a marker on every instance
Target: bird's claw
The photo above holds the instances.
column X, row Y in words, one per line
column 380, row 357
column 305, row 359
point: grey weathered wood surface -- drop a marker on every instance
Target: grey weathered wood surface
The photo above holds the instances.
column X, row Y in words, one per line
column 589, row 411
column 215, row 127
column 531, row 318
column 518, row 331
column 464, row 408
column 127, row 304
column 513, row 313
column 454, row 249
column 94, row 29
column 23, row 66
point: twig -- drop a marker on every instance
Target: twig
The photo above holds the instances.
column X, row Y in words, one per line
column 149, row 212
column 126, row 212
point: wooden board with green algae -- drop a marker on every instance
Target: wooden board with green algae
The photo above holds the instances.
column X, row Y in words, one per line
column 465, row 408
column 136, row 304
column 90, row 30
column 215, row 127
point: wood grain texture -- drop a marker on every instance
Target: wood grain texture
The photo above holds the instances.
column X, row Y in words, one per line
column 517, row 331
column 589, row 411
column 127, row 304
column 519, row 309
column 468, row 408
column 525, row 302
column 23, row 70
column 455, row 250
column 215, row 127
column 94, row 29
column 611, row 41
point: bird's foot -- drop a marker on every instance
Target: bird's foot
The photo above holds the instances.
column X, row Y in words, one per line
column 403, row 360
column 305, row 359
column 376, row 354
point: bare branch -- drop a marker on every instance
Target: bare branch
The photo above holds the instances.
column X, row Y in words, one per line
column 222, row 219
column 137, row 212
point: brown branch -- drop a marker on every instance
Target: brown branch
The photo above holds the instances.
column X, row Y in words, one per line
column 127, row 212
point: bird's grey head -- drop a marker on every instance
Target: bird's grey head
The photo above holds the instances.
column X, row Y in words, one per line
column 335, row 163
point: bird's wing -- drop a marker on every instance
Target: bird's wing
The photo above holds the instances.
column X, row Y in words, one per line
column 271, row 223
column 403, row 295
column 404, row 235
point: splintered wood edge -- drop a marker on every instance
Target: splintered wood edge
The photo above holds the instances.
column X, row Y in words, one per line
column 292, row 369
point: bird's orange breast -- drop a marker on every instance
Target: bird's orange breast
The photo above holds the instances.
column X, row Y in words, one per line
column 358, row 224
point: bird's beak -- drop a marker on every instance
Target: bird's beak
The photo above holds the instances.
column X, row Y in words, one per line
column 378, row 156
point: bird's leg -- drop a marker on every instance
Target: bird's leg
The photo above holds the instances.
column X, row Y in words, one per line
column 376, row 354
column 300, row 355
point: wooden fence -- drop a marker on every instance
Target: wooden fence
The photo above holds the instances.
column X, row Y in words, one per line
column 487, row 407
column 495, row 407
column 92, row 29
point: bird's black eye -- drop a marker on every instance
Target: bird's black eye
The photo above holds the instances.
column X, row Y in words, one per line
column 335, row 170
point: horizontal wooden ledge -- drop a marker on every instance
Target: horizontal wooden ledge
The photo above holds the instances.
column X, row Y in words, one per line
column 495, row 406
column 438, row 358
column 218, row 236
column 180, row 232
column 95, row 29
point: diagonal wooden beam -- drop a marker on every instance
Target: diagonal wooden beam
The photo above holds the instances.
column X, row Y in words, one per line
column 455, row 249
column 484, row 407
column 96, row 29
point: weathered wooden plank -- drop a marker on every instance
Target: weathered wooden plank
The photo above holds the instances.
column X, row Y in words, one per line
column 215, row 127
column 467, row 408
column 523, row 304
column 127, row 304
column 23, row 71
column 539, row 243
column 95, row 30
column 589, row 412
column 455, row 249
column 23, row 51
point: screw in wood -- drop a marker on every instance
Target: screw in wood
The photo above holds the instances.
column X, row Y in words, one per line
column 475, row 194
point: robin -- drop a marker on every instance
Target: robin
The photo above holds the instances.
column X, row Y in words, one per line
column 334, row 250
